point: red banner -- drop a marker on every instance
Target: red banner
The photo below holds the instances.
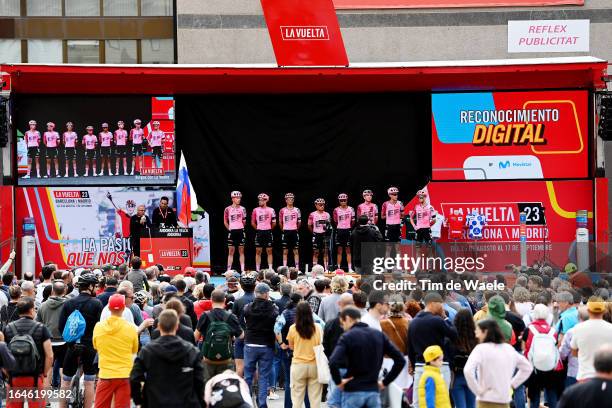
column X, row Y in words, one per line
column 510, row 135
column 304, row 33
column 374, row 4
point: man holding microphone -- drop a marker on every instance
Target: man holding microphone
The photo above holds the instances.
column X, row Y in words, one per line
column 139, row 224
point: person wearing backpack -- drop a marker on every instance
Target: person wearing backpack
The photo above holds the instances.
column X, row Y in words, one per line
column 30, row 343
column 76, row 323
column 8, row 313
column 541, row 351
column 216, row 328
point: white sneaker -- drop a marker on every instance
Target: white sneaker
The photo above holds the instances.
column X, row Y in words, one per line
column 84, row 175
column 58, row 175
column 26, row 176
column 75, row 175
column 95, row 175
column 45, row 176
column 132, row 173
column 110, row 173
column 66, row 175
column 273, row 396
column 100, row 174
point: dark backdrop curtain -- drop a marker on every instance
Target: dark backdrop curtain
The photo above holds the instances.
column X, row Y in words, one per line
column 315, row 145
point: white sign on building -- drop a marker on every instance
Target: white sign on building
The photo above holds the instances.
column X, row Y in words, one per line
column 548, row 36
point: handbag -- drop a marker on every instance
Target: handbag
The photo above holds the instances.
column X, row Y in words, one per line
column 323, row 374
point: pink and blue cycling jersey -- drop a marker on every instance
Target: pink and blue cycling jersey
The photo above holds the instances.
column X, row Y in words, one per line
column 424, row 215
column 344, row 217
column 290, row 218
column 51, row 139
column 105, row 139
column 121, row 137
column 137, row 135
column 393, row 212
column 90, row 141
column 235, row 216
column 70, row 139
column 33, row 138
column 263, row 217
column 318, row 221
column 155, row 138
column 369, row 209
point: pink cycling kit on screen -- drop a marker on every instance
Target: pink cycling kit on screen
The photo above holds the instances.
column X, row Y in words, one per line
column 70, row 139
column 90, row 141
column 121, row 137
column 263, row 217
column 155, row 138
column 424, row 214
column 290, row 218
column 33, row 138
column 369, row 209
column 105, row 139
column 319, row 221
column 51, row 139
column 235, row 216
column 343, row 217
column 393, row 212
column 137, row 135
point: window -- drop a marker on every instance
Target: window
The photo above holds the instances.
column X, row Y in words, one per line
column 158, row 51
column 84, row 52
column 157, row 8
column 45, row 51
column 44, row 8
column 82, row 8
column 120, row 51
column 10, row 51
column 10, row 8
column 120, row 8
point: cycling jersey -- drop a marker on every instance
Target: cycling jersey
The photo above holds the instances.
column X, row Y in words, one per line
column 235, row 216
column 455, row 226
column 393, row 212
column 369, row 209
column 90, row 141
column 475, row 223
column 263, row 218
column 70, row 139
column 105, row 139
column 319, row 220
column 423, row 214
column 155, row 138
column 51, row 139
column 136, row 135
column 436, row 228
column 290, row 218
column 120, row 137
column 33, row 138
column 344, row 217
column 168, row 143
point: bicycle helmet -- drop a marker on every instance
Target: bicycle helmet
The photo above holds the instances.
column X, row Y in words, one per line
column 367, row 192
column 247, row 280
column 69, row 124
column 421, row 193
column 50, row 124
column 104, row 125
column 289, row 195
column 89, row 128
column 87, row 279
column 137, row 122
column 342, row 197
column 392, row 191
column 120, row 123
column 319, row 201
column 32, row 122
column 142, row 296
column 236, row 193
column 155, row 123
column 263, row 196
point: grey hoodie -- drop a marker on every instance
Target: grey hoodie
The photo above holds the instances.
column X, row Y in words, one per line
column 49, row 314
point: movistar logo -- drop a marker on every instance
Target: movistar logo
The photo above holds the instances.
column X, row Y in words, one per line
column 504, row 165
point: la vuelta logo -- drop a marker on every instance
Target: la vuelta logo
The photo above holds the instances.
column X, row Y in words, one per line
column 289, row 33
column 510, row 126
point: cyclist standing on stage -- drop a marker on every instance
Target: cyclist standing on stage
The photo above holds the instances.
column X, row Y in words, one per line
column 368, row 208
column 290, row 219
column 155, row 141
column 81, row 352
column 424, row 218
column 106, row 140
column 137, row 136
column 391, row 212
column 234, row 218
column 344, row 218
column 51, row 139
column 90, row 141
column 32, row 137
column 263, row 219
column 318, row 222
column 120, row 147
column 70, row 141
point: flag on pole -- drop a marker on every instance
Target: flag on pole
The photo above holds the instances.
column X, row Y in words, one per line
column 185, row 196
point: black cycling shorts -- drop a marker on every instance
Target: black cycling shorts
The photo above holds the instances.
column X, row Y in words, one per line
column 137, row 149
column 90, row 154
column 120, row 151
column 423, row 235
column 318, row 241
column 157, row 151
column 105, row 151
column 264, row 239
column 393, row 233
column 70, row 153
column 343, row 238
column 291, row 239
column 235, row 237
column 51, row 152
column 33, row 152
column 79, row 355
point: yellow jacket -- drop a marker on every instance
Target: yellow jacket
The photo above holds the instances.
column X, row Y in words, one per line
column 438, row 395
column 116, row 341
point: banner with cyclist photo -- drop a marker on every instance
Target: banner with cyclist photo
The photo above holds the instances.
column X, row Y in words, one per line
column 86, row 226
column 94, row 140
column 510, row 135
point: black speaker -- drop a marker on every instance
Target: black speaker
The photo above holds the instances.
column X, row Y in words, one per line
column 4, row 121
column 605, row 116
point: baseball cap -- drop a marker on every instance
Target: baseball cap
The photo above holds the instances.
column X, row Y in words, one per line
column 190, row 271
column 596, row 305
column 170, row 288
column 116, row 302
column 262, row 288
column 431, row 353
